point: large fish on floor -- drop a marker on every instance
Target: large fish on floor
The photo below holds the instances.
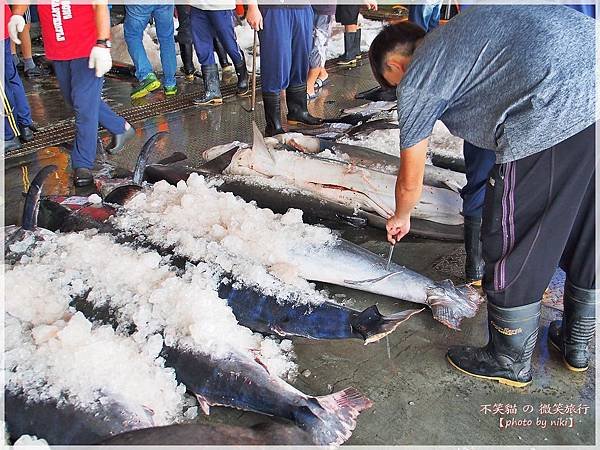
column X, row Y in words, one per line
column 254, row 309
column 232, row 377
column 219, row 434
column 63, row 423
column 341, row 182
column 367, row 158
column 319, row 201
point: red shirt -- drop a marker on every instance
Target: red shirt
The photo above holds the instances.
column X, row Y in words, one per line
column 7, row 16
column 68, row 31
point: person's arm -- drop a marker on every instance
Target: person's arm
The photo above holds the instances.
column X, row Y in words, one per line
column 253, row 16
column 409, row 185
column 102, row 14
column 16, row 24
column 100, row 58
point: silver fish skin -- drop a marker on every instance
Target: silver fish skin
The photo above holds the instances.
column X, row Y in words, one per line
column 346, row 264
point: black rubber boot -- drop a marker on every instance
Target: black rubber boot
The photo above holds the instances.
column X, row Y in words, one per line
column 507, row 356
column 187, row 53
column 27, row 132
column 349, row 57
column 242, row 78
column 272, row 102
column 474, row 260
column 212, row 89
column 357, row 38
column 572, row 335
column 83, row 177
column 297, row 107
column 221, row 53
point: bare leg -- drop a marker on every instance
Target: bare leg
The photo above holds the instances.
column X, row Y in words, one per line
column 351, row 28
column 323, row 75
column 310, row 80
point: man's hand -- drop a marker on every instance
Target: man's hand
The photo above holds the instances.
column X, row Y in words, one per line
column 397, row 227
column 16, row 24
column 370, row 4
column 254, row 18
column 100, row 60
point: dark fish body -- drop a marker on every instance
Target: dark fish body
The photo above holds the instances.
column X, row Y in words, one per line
column 62, row 423
column 324, row 321
column 243, row 384
column 201, row 434
column 252, row 308
column 240, row 382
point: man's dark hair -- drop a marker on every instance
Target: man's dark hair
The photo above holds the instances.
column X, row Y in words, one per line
column 400, row 37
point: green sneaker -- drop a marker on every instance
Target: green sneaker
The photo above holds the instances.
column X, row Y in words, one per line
column 170, row 90
column 144, row 87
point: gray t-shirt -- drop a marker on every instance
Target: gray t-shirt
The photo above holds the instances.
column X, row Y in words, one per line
column 513, row 79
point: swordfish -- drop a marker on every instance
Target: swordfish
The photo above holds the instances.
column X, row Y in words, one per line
column 253, row 308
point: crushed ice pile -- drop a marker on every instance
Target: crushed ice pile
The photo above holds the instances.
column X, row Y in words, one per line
column 252, row 244
column 143, row 290
column 54, row 353
column 388, row 141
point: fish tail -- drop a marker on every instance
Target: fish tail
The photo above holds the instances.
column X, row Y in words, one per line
column 32, row 200
column 330, row 419
column 373, row 326
column 450, row 304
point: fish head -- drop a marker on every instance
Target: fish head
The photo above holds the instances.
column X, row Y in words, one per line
column 450, row 304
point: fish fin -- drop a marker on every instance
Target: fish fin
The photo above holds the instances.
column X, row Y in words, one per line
column 204, row 405
column 333, row 417
column 144, row 156
column 450, row 304
column 122, row 194
column 32, row 200
column 258, row 142
column 373, row 326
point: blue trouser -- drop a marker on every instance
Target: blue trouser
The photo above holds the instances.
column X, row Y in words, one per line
column 588, row 10
column 478, row 163
column 137, row 18
column 81, row 89
column 206, row 25
column 285, row 45
column 426, row 16
column 16, row 107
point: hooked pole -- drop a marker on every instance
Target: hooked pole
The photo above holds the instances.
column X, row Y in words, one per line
column 253, row 100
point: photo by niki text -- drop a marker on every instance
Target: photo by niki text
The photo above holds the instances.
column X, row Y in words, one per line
column 542, row 415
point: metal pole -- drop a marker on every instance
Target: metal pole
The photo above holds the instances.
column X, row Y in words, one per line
column 253, row 101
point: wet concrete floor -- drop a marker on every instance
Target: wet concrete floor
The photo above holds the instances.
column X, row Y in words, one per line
column 418, row 398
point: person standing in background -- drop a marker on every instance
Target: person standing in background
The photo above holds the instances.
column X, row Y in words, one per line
column 184, row 38
column 137, row 18
column 77, row 39
column 30, row 69
column 347, row 15
column 210, row 20
column 323, row 23
column 18, row 125
column 285, row 34
column 426, row 15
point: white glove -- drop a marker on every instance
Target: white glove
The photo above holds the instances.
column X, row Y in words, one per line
column 100, row 60
column 16, row 24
